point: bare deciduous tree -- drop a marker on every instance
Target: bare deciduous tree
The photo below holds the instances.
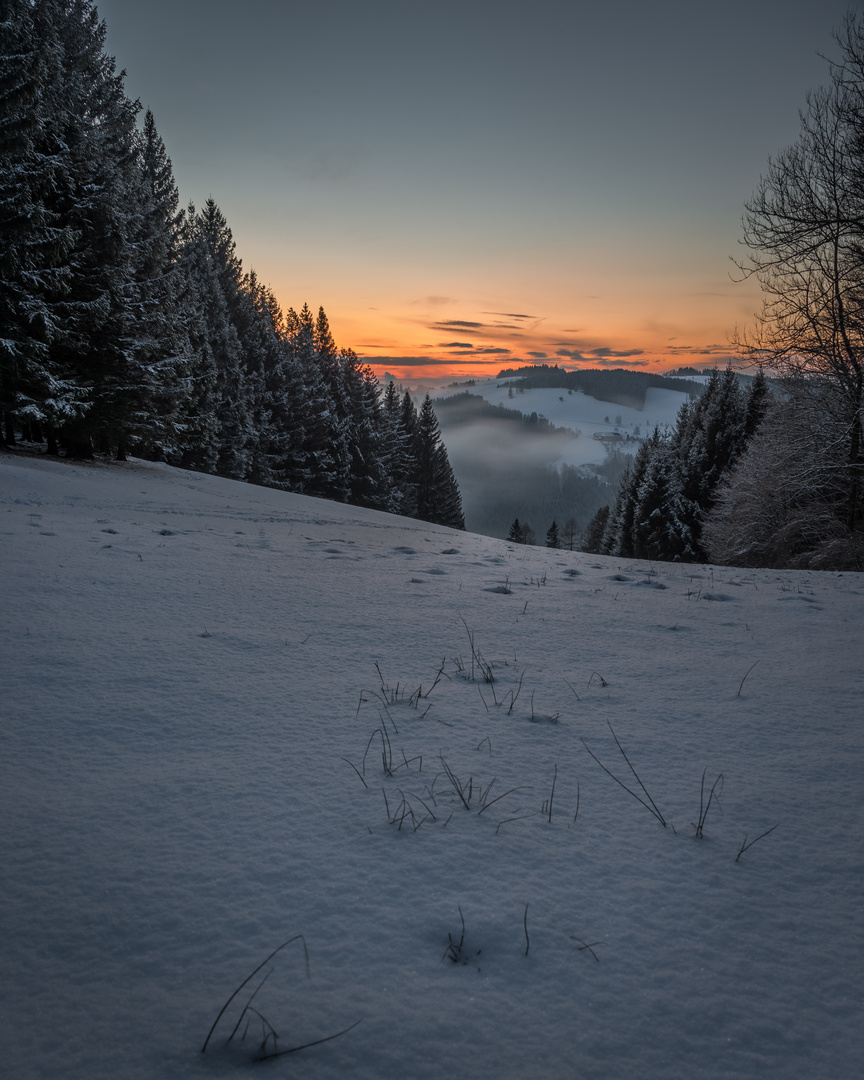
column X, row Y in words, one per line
column 804, row 228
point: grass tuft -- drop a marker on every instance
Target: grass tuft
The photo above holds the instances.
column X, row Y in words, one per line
column 716, row 789
column 651, row 806
column 745, row 845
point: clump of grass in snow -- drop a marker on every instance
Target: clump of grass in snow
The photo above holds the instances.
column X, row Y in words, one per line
column 253, row 1016
column 651, row 806
column 745, row 845
column 478, row 661
column 454, row 951
column 716, row 789
column 471, row 797
column 536, row 718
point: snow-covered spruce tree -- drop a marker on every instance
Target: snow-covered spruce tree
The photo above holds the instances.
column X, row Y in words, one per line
column 670, row 487
column 34, row 241
column 282, row 440
column 341, row 387
column 145, row 397
column 396, row 453
column 408, row 425
column 708, row 436
column 323, row 473
column 654, row 509
column 592, row 538
column 84, row 138
column 271, row 381
column 553, row 540
column 221, row 404
column 618, row 538
column 369, row 482
column 438, row 497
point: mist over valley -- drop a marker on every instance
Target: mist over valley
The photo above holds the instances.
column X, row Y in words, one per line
column 537, row 453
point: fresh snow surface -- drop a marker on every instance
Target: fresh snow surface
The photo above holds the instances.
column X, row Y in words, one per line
column 190, row 689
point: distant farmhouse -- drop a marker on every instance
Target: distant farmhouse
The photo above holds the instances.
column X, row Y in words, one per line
column 608, row 436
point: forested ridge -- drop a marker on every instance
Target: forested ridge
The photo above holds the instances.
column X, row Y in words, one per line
column 468, row 408
column 128, row 323
column 619, row 386
column 670, row 487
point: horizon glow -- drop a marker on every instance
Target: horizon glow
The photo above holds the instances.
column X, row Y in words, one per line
column 473, row 186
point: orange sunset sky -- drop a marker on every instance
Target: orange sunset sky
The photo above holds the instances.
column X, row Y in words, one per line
column 467, row 186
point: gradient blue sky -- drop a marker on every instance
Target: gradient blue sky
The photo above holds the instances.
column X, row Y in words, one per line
column 468, row 185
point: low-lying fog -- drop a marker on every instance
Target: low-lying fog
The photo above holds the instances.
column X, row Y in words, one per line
column 507, row 469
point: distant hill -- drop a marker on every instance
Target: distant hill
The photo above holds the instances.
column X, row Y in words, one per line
column 465, row 408
column 619, row 386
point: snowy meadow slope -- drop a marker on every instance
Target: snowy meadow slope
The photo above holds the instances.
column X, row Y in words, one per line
column 575, row 410
column 231, row 715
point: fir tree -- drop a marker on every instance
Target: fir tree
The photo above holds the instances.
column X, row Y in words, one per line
column 91, row 133
column 145, row 396
column 553, row 540
column 396, row 453
column 438, row 498
column 592, row 540
column 324, row 468
column 217, row 272
column 521, row 532
column 368, row 482
column 35, row 240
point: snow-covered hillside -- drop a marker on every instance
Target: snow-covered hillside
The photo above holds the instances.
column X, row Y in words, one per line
column 232, row 715
column 582, row 413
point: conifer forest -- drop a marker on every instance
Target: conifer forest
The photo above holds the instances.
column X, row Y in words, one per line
column 128, row 324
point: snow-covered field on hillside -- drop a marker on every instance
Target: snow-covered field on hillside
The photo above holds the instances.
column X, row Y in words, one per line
column 581, row 413
column 231, row 715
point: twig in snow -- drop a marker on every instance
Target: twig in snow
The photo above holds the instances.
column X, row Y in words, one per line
column 745, row 845
column 354, row 767
column 584, row 945
column 651, row 806
column 547, row 806
column 746, row 673
column 305, row 1046
column 703, row 813
column 574, row 692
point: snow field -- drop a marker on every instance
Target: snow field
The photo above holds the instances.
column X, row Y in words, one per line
column 188, row 662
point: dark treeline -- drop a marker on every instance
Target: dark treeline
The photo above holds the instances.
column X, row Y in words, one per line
column 538, row 494
column 467, row 408
column 619, row 386
column 128, row 324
